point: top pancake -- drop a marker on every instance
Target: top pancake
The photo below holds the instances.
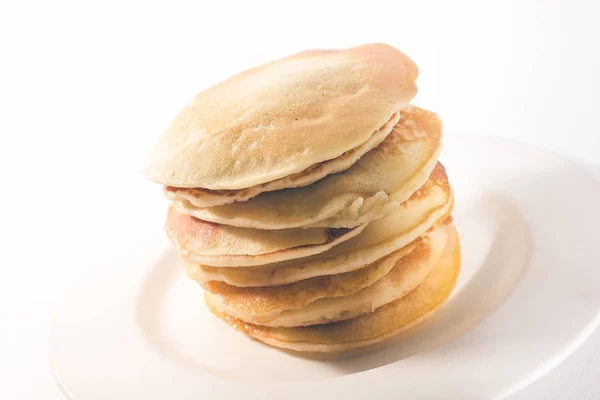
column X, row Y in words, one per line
column 209, row 198
column 382, row 179
column 282, row 118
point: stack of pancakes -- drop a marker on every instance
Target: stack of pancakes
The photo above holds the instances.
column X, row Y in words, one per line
column 308, row 202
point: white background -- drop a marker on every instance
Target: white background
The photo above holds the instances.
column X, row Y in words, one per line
column 85, row 88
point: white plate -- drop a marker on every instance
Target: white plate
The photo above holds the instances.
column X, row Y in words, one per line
column 527, row 296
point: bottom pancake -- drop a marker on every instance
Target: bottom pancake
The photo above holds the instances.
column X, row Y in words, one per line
column 368, row 329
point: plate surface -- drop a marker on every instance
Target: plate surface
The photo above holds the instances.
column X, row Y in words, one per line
column 527, row 296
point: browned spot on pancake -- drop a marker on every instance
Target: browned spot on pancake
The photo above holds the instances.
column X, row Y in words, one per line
column 310, row 170
column 415, row 258
column 443, row 220
column 187, row 228
column 438, row 175
column 437, row 178
column 336, row 233
column 414, row 124
column 419, row 123
column 249, row 329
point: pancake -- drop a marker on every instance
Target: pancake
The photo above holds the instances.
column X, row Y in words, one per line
column 367, row 329
column 263, row 304
column 408, row 272
column 431, row 204
column 227, row 246
column 209, row 198
column 382, row 179
column 283, row 118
